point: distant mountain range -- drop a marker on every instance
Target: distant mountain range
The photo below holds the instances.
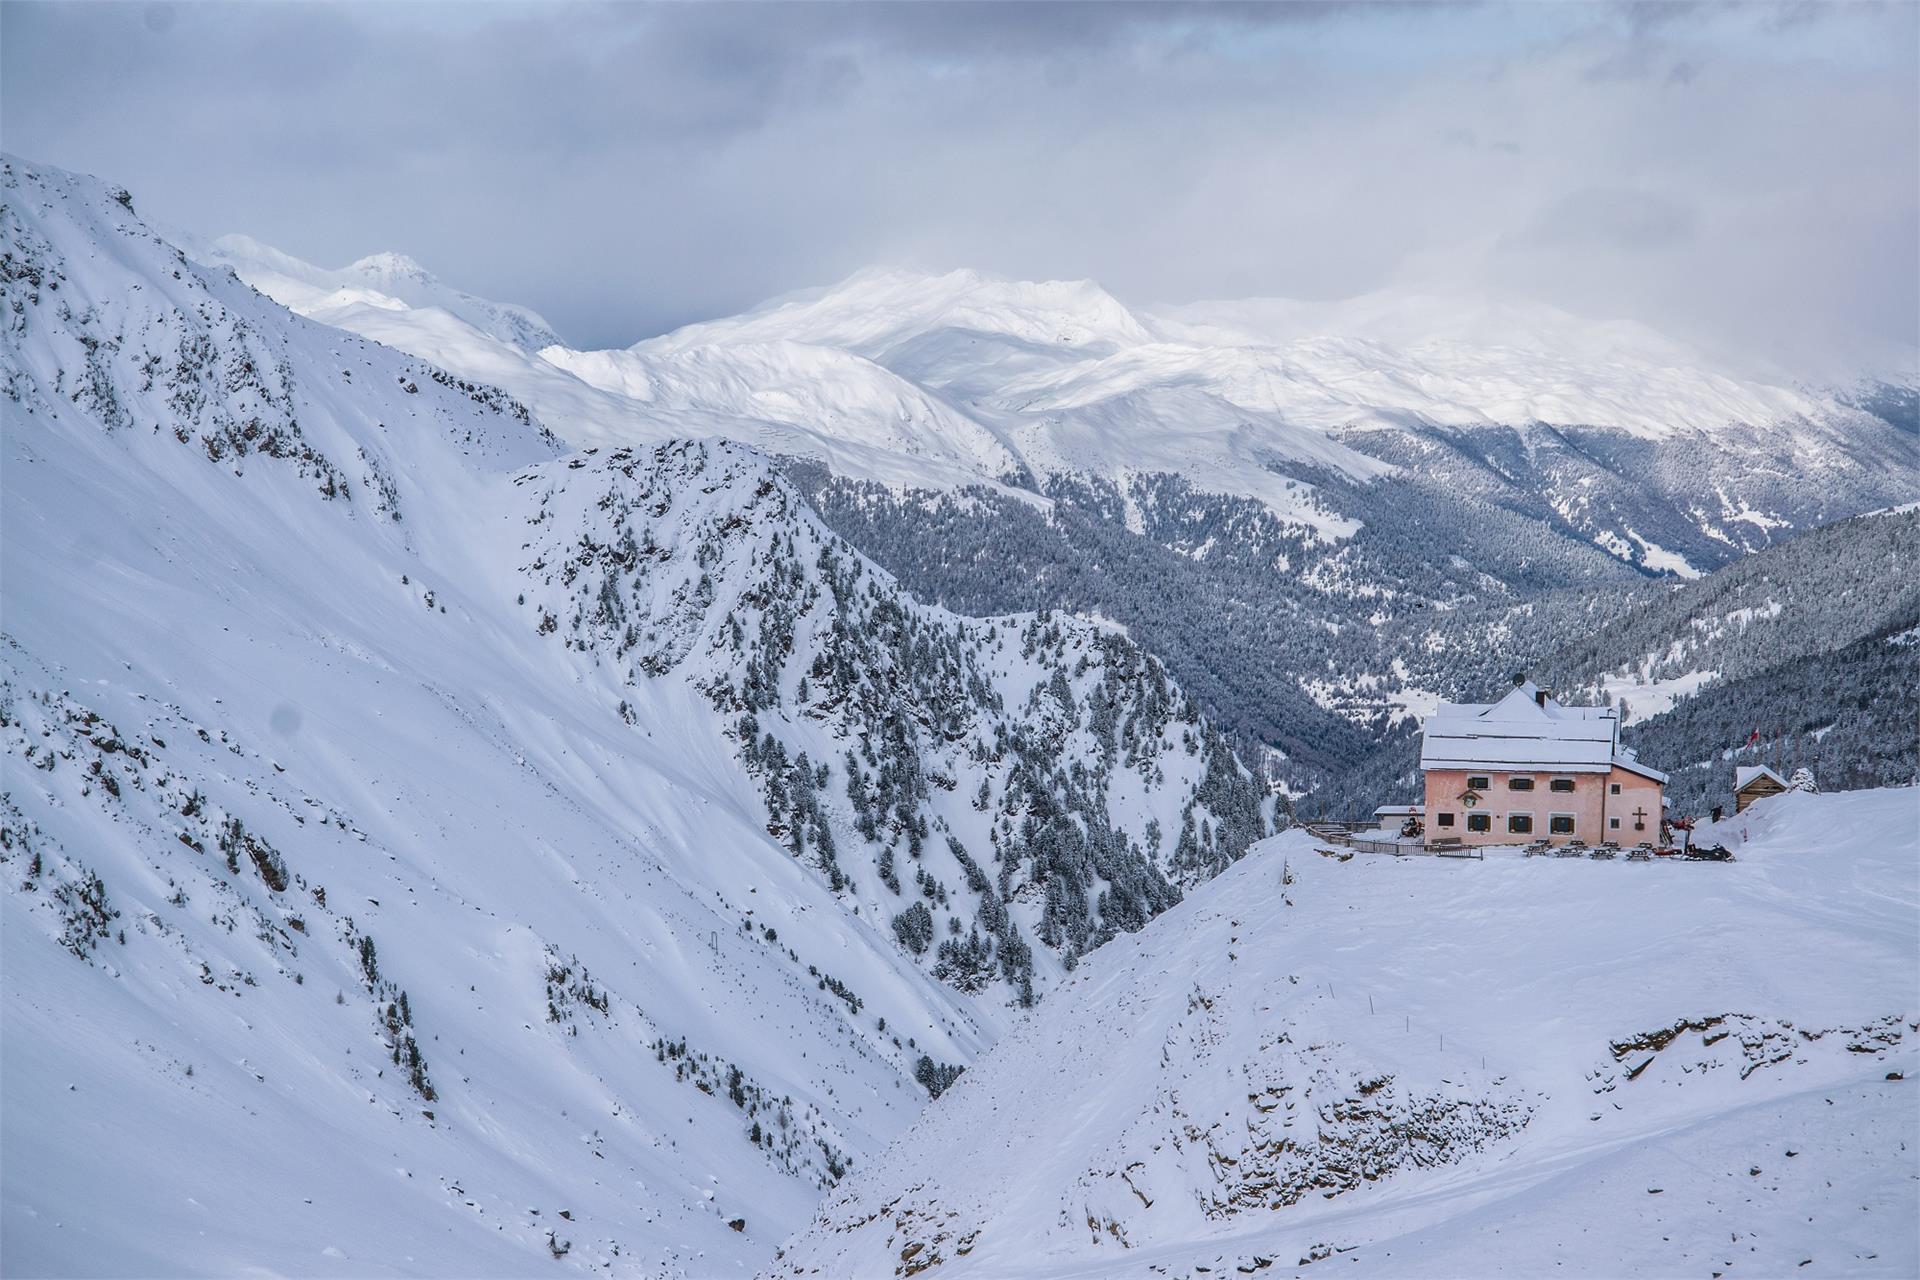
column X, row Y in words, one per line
column 1607, row 433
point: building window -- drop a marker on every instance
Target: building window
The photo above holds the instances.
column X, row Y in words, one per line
column 1479, row 822
column 1614, row 789
column 1519, row 784
column 1520, row 824
column 1560, row 824
column 1560, row 784
column 1614, row 823
column 1445, row 819
column 1479, row 784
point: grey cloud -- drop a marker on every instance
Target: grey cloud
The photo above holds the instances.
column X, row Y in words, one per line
column 1610, row 218
column 625, row 168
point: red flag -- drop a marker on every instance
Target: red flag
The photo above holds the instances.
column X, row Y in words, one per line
column 1754, row 739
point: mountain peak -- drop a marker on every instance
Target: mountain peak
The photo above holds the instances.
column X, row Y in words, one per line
column 879, row 309
column 310, row 289
column 390, row 265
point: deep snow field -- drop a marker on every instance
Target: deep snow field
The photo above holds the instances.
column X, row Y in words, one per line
column 1441, row 1067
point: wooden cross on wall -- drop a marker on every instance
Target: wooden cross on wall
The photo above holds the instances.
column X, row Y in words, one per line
column 1640, row 819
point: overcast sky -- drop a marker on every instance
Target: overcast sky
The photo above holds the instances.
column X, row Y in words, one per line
column 1747, row 177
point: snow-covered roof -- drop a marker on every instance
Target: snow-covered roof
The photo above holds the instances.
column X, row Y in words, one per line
column 1626, row 759
column 1747, row 773
column 1526, row 730
column 1522, row 730
column 1399, row 810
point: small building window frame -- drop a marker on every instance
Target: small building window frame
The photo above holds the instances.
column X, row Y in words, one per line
column 1479, row 782
column 1521, row 783
column 1613, row 824
column 1560, row 784
column 1560, row 824
column 1519, row 824
column 1613, row 789
column 1481, row 822
column 1444, row 819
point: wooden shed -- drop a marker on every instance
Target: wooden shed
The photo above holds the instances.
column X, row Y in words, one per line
column 1754, row 782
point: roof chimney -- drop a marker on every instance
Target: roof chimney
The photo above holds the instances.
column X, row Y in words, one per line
column 1540, row 697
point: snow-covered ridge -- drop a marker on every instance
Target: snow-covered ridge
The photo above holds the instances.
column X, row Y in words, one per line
column 1463, row 361
column 826, row 401
column 1334, row 381
column 875, row 312
column 1372, row 360
column 390, row 280
column 1439, row 1066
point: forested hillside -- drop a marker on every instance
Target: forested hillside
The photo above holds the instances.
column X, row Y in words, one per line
column 1273, row 627
column 1813, row 594
column 1848, row 715
column 1808, row 644
column 1325, row 651
column 956, row 776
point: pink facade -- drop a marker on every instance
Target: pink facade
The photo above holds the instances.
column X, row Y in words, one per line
column 1619, row 804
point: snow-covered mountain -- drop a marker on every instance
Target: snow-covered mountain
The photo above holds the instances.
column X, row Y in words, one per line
column 809, row 401
column 1603, row 432
column 1607, row 430
column 1473, row 361
column 1368, row 1065
column 385, row 281
column 885, row 314
column 426, row 847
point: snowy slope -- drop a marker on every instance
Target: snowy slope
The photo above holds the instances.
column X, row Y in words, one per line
column 1466, row 362
column 877, row 311
column 391, row 883
column 389, row 280
column 810, row 400
column 1371, row 1065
